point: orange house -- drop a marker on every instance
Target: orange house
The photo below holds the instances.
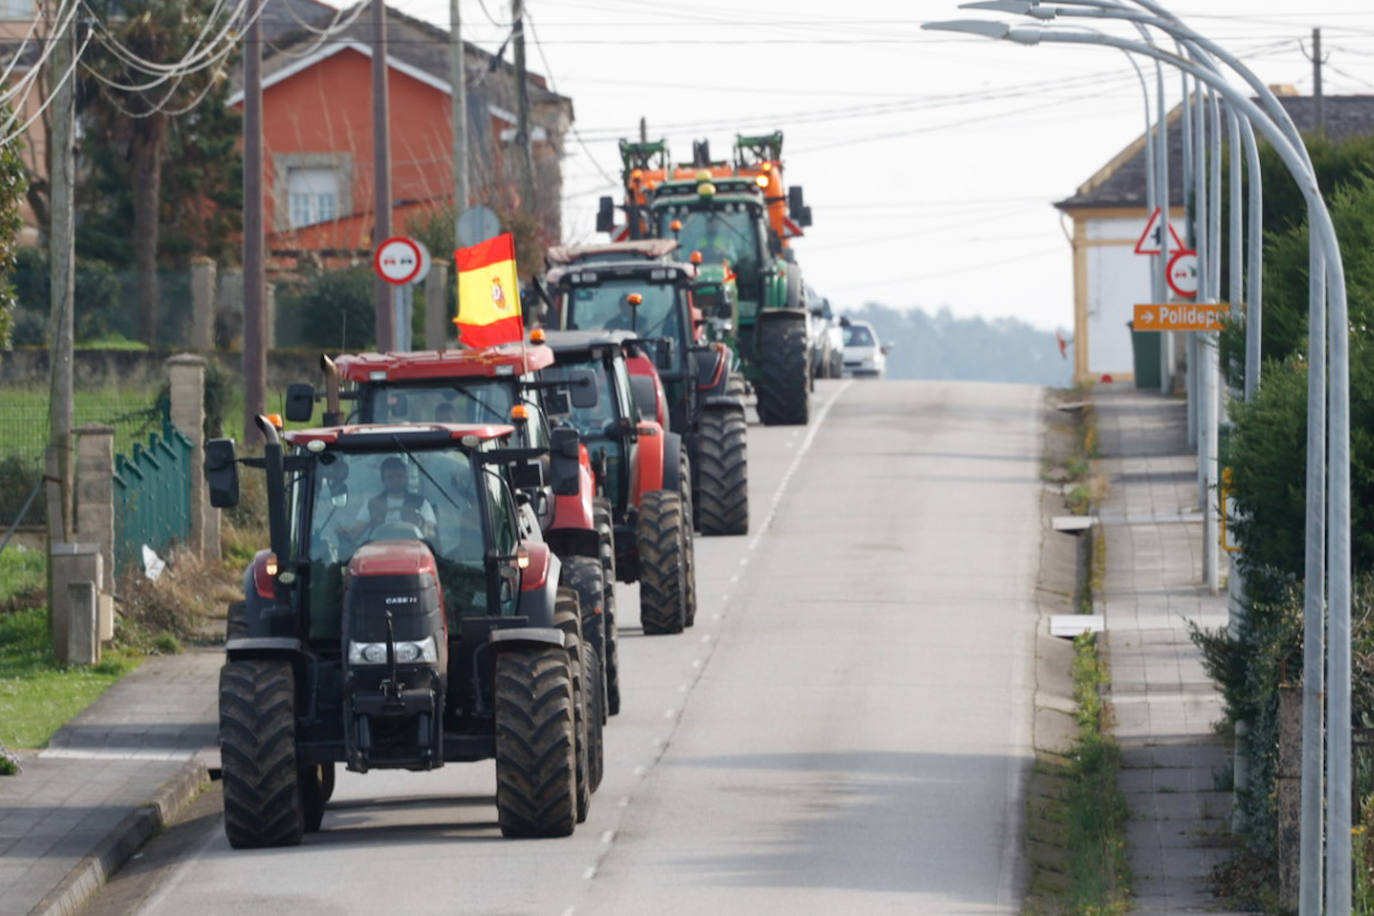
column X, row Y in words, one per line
column 318, row 146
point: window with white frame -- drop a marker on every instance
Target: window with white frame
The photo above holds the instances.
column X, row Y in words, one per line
column 16, row 10
column 312, row 195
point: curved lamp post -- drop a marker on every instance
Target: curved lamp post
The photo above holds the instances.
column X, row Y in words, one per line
column 1281, row 134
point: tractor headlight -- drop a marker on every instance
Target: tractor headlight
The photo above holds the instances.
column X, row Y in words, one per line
column 407, row 653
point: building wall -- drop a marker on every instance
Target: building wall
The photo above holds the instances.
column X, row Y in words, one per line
column 322, row 117
column 1109, row 280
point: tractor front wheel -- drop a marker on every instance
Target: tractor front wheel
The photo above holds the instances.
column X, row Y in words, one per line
column 263, row 802
column 722, row 503
column 784, row 383
column 661, row 536
column 536, row 743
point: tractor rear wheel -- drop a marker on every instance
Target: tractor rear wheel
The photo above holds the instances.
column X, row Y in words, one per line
column 689, row 532
column 722, row 502
column 605, row 527
column 263, row 803
column 660, row 533
column 783, row 388
column 584, row 576
column 536, row 745
column 567, row 617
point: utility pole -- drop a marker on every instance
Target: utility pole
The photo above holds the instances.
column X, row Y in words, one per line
column 522, row 95
column 1317, row 80
column 643, row 129
column 254, row 243
column 381, row 173
column 62, row 250
column 458, row 79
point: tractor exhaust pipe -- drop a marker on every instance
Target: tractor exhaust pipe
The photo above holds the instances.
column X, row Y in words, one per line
column 332, row 415
column 276, row 489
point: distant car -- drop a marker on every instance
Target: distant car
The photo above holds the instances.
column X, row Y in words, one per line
column 863, row 355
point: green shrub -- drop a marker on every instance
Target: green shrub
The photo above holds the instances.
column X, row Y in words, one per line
column 330, row 309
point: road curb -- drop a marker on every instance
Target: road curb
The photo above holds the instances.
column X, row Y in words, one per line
column 124, row 839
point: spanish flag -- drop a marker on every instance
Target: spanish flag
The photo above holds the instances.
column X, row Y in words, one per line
column 488, row 293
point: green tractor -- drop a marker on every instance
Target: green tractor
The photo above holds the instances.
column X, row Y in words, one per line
column 737, row 216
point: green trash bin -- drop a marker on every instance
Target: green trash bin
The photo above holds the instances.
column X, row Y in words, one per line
column 1145, row 355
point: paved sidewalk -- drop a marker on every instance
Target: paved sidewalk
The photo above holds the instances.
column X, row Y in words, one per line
column 106, row 782
column 1164, row 703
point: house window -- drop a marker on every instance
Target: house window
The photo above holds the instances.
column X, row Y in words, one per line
column 16, row 10
column 312, row 194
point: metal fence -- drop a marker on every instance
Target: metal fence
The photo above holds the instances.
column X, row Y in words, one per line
column 24, row 435
column 152, row 486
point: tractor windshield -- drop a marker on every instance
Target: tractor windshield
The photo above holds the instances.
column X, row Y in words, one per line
column 588, row 421
column 723, row 231
column 480, row 401
column 360, row 497
column 608, row 306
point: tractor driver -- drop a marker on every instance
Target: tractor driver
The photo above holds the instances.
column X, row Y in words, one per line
column 396, row 504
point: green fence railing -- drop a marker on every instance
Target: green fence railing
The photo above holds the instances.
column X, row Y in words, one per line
column 152, row 490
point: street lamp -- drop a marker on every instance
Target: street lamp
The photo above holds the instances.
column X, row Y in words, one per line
column 1281, row 134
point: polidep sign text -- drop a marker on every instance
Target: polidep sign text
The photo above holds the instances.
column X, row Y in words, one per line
column 1181, row 316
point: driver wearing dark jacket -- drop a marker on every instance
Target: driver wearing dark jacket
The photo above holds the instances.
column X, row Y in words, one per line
column 398, row 505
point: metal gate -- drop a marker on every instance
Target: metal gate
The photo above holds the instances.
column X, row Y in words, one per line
column 152, row 490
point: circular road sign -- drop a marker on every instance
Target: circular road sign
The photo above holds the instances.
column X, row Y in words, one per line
column 477, row 224
column 398, row 260
column 1182, row 274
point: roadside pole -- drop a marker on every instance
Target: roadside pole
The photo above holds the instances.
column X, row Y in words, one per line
column 254, row 243
column 381, row 173
column 458, row 81
column 62, row 248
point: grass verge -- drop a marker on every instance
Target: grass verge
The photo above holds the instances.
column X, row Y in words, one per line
column 1095, row 809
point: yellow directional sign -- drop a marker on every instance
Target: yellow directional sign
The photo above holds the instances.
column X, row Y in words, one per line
column 1179, row 316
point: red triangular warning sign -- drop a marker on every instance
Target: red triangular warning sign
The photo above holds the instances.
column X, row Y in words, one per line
column 1150, row 241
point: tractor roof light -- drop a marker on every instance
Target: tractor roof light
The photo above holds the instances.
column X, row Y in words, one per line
column 275, row 420
column 675, row 225
column 537, row 335
column 695, row 257
column 634, row 299
column 761, row 181
column 767, row 166
column 703, row 175
column 519, row 413
column 706, row 189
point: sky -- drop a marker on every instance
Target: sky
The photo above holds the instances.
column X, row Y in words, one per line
column 930, row 160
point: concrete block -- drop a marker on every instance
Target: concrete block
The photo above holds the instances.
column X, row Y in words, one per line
column 76, row 576
column 95, row 494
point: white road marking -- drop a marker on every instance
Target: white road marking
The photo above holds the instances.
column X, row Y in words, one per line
column 607, row 837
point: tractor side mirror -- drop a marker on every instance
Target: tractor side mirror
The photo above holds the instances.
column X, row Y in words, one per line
column 804, row 218
column 564, row 468
column 605, row 215
column 564, row 442
column 664, row 353
column 582, row 388
column 526, row 475
column 645, row 396
column 222, row 473
column 300, row 402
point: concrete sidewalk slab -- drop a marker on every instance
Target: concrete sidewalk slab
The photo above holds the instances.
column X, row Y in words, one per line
column 1163, row 703
column 108, row 781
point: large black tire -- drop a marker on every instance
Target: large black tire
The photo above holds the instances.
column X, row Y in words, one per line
column 236, row 621
column 584, row 575
column 783, row 385
column 722, row 503
column 605, row 527
column 567, row 617
column 736, row 386
column 596, row 717
column 661, row 538
column 263, row 804
column 536, row 746
column 689, row 614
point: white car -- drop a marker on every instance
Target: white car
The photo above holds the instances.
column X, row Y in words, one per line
column 863, row 354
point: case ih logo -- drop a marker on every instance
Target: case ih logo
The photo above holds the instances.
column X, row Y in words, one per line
column 401, row 599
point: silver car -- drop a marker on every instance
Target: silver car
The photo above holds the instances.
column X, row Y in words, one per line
column 863, row 354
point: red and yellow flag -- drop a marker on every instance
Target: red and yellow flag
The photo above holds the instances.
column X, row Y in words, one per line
column 488, row 293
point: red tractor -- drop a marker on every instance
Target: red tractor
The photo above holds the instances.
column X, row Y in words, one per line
column 641, row 468
column 499, row 384
column 400, row 619
column 639, row 287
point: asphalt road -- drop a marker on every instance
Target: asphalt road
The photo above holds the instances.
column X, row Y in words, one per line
column 846, row 729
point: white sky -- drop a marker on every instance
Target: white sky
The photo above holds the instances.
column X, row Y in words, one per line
column 929, row 160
